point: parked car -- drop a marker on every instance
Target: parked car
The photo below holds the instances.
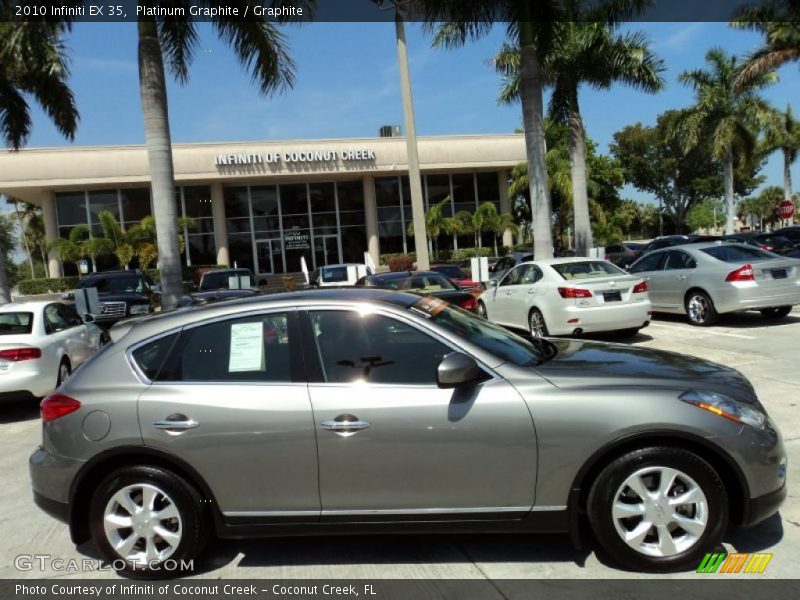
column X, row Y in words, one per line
column 455, row 274
column 336, row 275
column 567, row 296
column 380, row 411
column 703, row 281
column 429, row 283
column 766, row 241
column 122, row 294
column 505, row 264
column 792, row 233
column 215, row 285
column 41, row 343
column 668, row 241
column 623, row 255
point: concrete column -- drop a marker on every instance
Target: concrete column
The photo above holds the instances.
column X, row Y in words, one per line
column 220, row 227
column 505, row 204
column 371, row 216
column 51, row 232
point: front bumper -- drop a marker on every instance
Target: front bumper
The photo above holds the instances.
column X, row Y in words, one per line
column 763, row 507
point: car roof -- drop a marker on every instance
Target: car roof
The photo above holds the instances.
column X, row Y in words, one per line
column 113, row 273
column 27, row 305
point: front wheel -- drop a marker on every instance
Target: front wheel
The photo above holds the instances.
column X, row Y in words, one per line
column 778, row 312
column 658, row 509
column 700, row 309
column 146, row 521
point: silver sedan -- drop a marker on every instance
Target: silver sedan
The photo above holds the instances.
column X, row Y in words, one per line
column 567, row 296
column 706, row 280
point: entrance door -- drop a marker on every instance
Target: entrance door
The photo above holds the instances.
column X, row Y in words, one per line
column 326, row 250
column 268, row 256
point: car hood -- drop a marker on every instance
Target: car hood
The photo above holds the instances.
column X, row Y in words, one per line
column 597, row 364
column 223, row 294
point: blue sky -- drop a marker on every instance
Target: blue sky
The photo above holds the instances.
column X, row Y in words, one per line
column 347, row 86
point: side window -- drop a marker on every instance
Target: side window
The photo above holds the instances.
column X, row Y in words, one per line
column 151, row 357
column 374, row 348
column 514, row 276
column 248, row 349
column 679, row 260
column 69, row 315
column 651, row 262
column 55, row 319
column 532, row 275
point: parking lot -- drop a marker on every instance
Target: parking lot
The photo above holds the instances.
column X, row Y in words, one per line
column 767, row 352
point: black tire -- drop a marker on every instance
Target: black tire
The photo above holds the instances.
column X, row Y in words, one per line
column 482, row 310
column 777, row 312
column 194, row 526
column 537, row 329
column 700, row 309
column 64, row 371
column 609, row 483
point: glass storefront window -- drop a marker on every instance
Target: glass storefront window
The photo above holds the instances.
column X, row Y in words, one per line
column 351, row 196
column 135, row 205
column 488, row 188
column 236, row 203
column 240, row 247
column 99, row 201
column 354, row 244
column 463, row 192
column 202, row 250
column 265, row 208
column 197, row 201
column 322, row 197
column 438, row 190
column 293, row 199
column 71, row 208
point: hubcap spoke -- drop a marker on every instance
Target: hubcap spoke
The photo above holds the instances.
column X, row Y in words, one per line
column 119, row 521
column 638, row 486
column 665, row 542
column 636, row 536
column 667, row 481
column 125, row 501
column 623, row 510
column 150, row 553
column 691, row 497
column 168, row 512
column 172, row 538
column 125, row 545
column 696, row 527
column 148, row 498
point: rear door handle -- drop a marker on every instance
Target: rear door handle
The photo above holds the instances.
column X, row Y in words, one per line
column 176, row 423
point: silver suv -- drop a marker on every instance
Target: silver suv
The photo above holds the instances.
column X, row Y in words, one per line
column 375, row 410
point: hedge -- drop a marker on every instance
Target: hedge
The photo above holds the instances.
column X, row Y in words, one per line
column 29, row 287
column 465, row 253
column 386, row 257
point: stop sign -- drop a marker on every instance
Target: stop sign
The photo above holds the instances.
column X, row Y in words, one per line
column 786, row 209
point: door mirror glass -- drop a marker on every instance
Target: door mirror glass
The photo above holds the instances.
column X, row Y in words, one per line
column 493, row 283
column 457, row 370
column 88, row 318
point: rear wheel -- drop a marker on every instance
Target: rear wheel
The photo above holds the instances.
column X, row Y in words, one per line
column 64, row 371
column 658, row 509
column 482, row 309
column 777, row 312
column 147, row 520
column 700, row 309
column 536, row 324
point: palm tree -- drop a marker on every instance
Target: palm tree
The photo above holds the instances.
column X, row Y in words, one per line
column 729, row 117
column 32, row 65
column 531, row 27
column 783, row 133
column 260, row 48
column 587, row 53
column 435, row 222
column 779, row 23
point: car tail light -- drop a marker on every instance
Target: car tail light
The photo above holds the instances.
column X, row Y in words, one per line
column 57, row 405
column 574, row 293
column 469, row 303
column 744, row 273
column 640, row 287
column 18, row 354
column 767, row 248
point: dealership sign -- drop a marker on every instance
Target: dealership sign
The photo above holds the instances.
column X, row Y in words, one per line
column 309, row 156
column 296, row 240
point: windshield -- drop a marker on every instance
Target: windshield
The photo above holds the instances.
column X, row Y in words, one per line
column 114, row 284
column 429, row 282
column 484, row 334
column 738, row 253
column 452, row 272
column 334, row 274
column 586, row 269
column 15, row 323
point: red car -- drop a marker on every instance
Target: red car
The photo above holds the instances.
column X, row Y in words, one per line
column 457, row 276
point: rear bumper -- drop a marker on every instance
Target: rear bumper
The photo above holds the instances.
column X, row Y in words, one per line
column 32, row 383
column 58, row 510
column 599, row 318
column 753, row 296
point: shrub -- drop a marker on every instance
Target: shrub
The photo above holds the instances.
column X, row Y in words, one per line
column 29, row 287
column 385, row 258
column 465, row 253
column 402, row 262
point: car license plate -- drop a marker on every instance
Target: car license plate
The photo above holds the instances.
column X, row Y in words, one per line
column 613, row 296
column 779, row 273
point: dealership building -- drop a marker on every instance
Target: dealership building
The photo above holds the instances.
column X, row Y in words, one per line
column 264, row 205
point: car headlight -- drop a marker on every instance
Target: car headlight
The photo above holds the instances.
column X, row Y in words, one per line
column 726, row 407
column 140, row 309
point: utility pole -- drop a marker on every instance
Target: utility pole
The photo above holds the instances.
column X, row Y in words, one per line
column 414, row 177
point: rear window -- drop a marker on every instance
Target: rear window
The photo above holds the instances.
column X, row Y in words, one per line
column 451, row 272
column 131, row 283
column 586, row 269
column 735, row 254
column 334, row 274
column 16, row 323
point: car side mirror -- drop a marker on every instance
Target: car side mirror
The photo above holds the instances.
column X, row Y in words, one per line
column 493, row 283
column 67, row 296
column 457, row 370
column 88, row 318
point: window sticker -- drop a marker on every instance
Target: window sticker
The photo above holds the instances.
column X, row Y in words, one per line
column 247, row 347
column 430, row 305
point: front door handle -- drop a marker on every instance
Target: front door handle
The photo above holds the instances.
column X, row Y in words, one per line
column 345, row 425
column 681, row 277
column 531, row 291
column 174, row 423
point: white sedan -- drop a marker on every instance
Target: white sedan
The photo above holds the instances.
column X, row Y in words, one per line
column 567, row 296
column 41, row 343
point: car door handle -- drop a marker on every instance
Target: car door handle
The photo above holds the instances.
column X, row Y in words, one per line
column 531, row 291
column 176, row 423
column 345, row 426
column 680, row 277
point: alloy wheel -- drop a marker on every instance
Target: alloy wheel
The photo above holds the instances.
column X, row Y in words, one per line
column 63, row 373
column 660, row 511
column 142, row 524
column 481, row 310
column 537, row 325
column 698, row 308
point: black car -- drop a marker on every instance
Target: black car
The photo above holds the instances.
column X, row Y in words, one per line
column 426, row 283
column 215, row 285
column 623, row 255
column 791, row 233
column 667, row 241
column 122, row 294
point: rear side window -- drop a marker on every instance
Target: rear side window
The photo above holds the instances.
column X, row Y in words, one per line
column 735, row 254
column 150, row 357
column 679, row 260
column 16, row 323
column 650, row 262
column 334, row 274
column 586, row 269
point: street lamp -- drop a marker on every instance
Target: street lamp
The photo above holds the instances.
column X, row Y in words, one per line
column 415, row 180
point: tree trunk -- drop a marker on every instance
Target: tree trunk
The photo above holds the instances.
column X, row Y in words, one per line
column 730, row 212
column 5, row 292
column 159, row 153
column 530, row 91
column 787, row 175
column 455, row 242
column 25, row 240
column 580, row 197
